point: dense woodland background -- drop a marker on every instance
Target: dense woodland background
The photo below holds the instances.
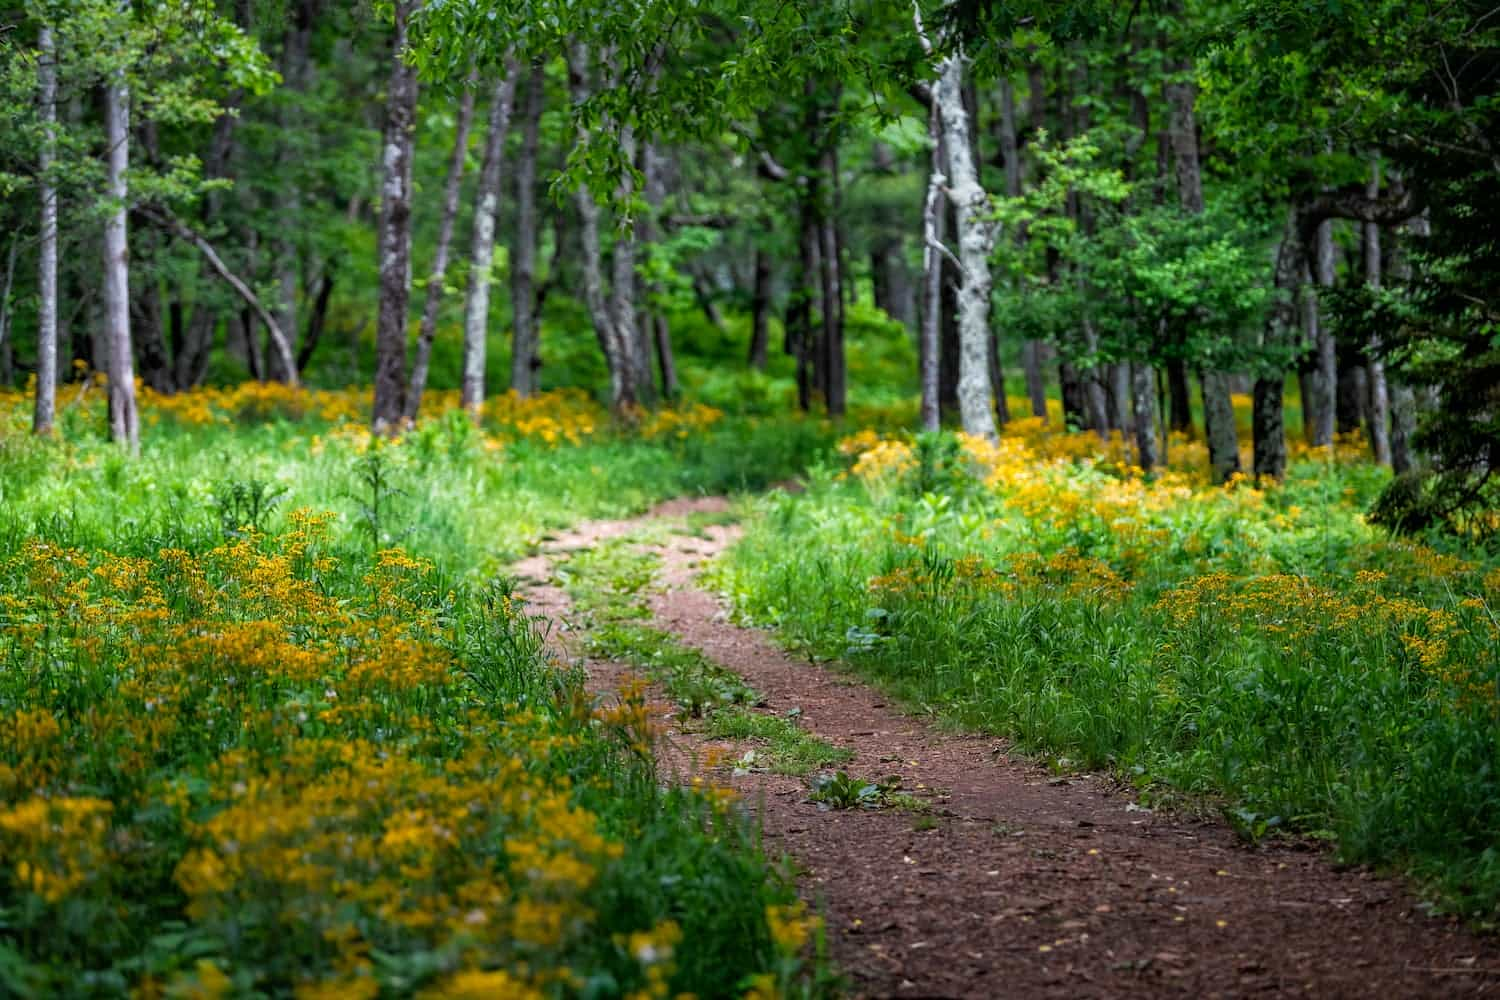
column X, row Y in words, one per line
column 1142, row 208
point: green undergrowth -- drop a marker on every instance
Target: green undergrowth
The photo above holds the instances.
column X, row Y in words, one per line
column 1261, row 652
column 609, row 585
column 272, row 724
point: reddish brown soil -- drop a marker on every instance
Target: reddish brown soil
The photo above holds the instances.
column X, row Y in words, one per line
column 1027, row 884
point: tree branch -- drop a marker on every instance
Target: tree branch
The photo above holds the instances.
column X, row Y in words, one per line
column 164, row 218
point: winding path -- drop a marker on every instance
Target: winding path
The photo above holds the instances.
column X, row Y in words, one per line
column 1020, row 883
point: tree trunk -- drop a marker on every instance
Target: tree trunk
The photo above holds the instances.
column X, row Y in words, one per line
column 976, row 232
column 316, row 320
column 664, row 357
column 46, row 333
column 799, row 314
column 630, row 337
column 294, row 73
column 1268, row 422
column 1143, row 405
column 760, row 311
column 7, row 284
column 831, row 366
column 395, row 230
column 124, row 420
column 1033, row 356
column 1380, row 397
column 1218, row 412
column 436, row 278
column 1180, row 396
column 525, row 355
column 933, row 216
column 1319, row 410
column 482, row 248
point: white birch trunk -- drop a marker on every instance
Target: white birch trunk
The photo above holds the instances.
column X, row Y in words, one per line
column 46, row 336
column 124, row 421
column 976, row 235
column 482, row 252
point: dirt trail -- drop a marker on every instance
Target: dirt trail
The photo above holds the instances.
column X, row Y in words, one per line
column 1026, row 884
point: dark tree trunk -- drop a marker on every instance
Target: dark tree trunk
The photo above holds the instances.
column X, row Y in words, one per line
column 395, row 230
column 1034, row 355
column 525, row 358
column 316, row 321
column 664, row 358
column 760, row 311
column 1180, row 396
column 800, row 335
column 831, row 367
column 1074, row 397
column 1268, row 422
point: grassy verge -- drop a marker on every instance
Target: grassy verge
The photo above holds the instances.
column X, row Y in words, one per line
column 608, row 585
column 1260, row 649
column 270, row 727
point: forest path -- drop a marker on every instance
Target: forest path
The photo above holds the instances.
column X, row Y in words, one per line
column 992, row 877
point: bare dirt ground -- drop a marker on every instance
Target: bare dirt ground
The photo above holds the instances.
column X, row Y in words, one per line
column 1018, row 882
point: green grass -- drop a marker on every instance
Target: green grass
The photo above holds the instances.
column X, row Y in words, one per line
column 170, row 712
column 1267, row 654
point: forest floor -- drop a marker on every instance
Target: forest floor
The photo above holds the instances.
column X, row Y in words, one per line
column 967, row 870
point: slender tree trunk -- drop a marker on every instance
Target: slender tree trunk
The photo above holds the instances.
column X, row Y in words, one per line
column 316, row 320
column 1380, row 397
column 395, row 230
column 1033, row 354
column 831, row 365
column 482, row 247
column 799, row 318
column 46, row 334
column 997, row 382
column 1218, row 412
column 294, row 72
column 1268, row 422
column 1319, row 411
column 666, row 361
column 436, row 278
column 124, row 420
column 1180, row 396
column 760, row 311
column 630, row 337
column 976, row 232
column 525, row 351
column 7, row 284
column 1143, row 406
column 933, row 217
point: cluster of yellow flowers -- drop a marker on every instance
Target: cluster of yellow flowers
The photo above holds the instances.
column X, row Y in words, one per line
column 308, row 771
column 554, row 418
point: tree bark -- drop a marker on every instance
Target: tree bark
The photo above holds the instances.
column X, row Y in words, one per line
column 153, row 363
column 124, row 420
column 1319, row 411
column 1033, row 354
column 395, row 230
column 294, row 73
column 631, row 338
column 760, row 312
column 933, row 216
column 1218, row 411
column 799, row 314
column 831, row 365
column 1143, row 406
column 316, row 320
column 525, row 357
column 46, row 334
column 1380, row 398
column 436, row 278
column 976, row 232
column 1179, row 396
column 482, row 248
column 1268, row 421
